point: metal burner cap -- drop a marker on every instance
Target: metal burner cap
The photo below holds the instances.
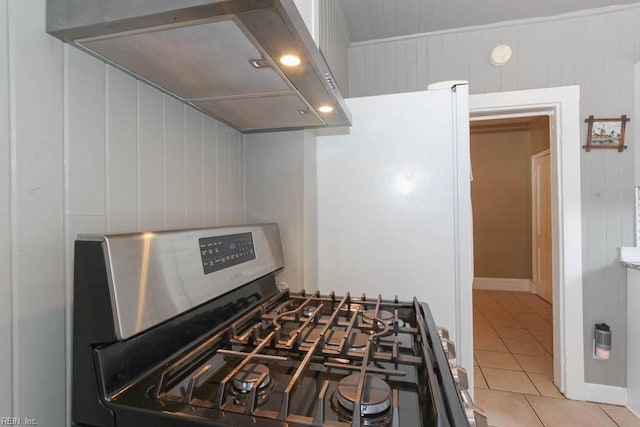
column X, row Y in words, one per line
column 376, row 395
column 384, row 316
column 357, row 341
column 249, row 375
column 308, row 310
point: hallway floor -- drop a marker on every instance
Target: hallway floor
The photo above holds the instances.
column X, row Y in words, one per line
column 513, row 347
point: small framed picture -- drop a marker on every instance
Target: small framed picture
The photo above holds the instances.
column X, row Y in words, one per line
column 606, row 133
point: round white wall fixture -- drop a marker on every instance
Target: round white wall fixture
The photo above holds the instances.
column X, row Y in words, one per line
column 500, row 55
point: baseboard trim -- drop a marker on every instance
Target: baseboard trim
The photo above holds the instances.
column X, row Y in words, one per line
column 600, row 393
column 502, row 284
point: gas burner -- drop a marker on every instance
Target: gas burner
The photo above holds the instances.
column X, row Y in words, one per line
column 375, row 402
column 357, row 341
column 245, row 380
column 384, row 316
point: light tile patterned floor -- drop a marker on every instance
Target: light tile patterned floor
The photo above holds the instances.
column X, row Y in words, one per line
column 513, row 349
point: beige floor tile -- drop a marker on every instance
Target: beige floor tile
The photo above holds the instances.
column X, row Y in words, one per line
column 506, row 332
column 505, row 380
column 488, row 342
column 479, row 378
column 569, row 413
column 621, row 415
column 539, row 364
column 502, row 295
column 482, row 326
column 545, row 338
column 494, row 359
column 533, row 321
column 502, row 318
column 544, row 384
column 516, row 306
column 506, row 409
column 524, row 345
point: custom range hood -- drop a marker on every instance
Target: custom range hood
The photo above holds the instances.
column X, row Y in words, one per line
column 222, row 57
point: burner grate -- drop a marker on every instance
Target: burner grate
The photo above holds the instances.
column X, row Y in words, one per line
column 307, row 339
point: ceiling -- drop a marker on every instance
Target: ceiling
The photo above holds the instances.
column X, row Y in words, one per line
column 378, row 19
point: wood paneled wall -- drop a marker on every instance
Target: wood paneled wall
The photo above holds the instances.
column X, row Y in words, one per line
column 85, row 148
column 596, row 50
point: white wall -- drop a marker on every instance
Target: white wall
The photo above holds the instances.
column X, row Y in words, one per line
column 85, row 148
column 595, row 50
column 281, row 187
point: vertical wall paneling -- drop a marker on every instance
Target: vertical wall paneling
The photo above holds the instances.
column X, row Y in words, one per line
column 436, row 54
column 275, row 180
column 210, row 170
column 84, row 148
column 222, row 174
column 482, row 74
column 596, row 51
column 510, row 71
column 532, row 73
column 5, row 219
column 422, row 64
column 86, row 132
column 310, row 212
column 174, row 170
column 411, row 64
column 151, row 159
column 237, row 177
column 193, row 167
column 38, row 281
column 122, row 152
column 554, row 51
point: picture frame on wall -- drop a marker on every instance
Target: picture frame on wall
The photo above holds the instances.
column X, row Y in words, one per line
column 606, row 133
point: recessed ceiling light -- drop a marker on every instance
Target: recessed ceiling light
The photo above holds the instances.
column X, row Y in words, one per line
column 325, row 108
column 290, row 60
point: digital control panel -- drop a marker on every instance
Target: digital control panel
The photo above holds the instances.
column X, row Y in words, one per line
column 226, row 251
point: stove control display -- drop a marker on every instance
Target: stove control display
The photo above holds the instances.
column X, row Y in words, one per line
column 226, row 251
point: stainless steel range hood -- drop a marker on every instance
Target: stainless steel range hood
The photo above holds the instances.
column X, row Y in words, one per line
column 222, row 57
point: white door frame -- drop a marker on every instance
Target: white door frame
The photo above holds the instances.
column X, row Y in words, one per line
column 562, row 105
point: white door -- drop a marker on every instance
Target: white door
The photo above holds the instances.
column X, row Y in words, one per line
column 541, row 224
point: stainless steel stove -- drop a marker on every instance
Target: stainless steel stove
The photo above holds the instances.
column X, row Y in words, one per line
column 189, row 328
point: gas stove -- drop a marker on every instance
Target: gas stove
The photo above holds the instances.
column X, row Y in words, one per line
column 189, row 327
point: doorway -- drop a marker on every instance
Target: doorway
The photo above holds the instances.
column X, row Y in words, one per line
column 562, row 107
column 510, row 192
